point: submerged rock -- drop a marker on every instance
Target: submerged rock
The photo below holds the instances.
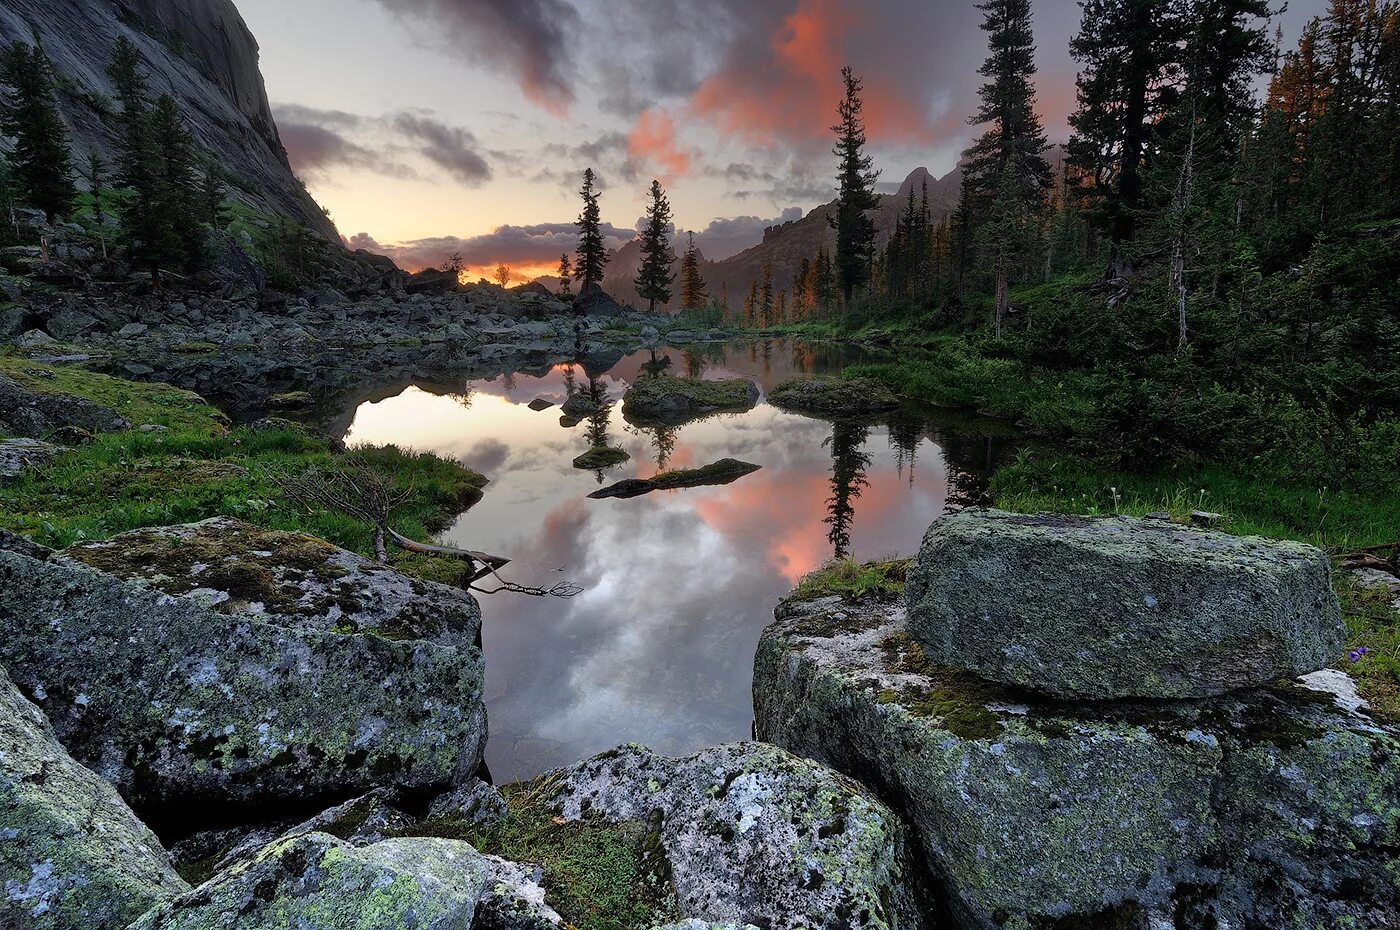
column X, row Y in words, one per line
column 316, row 880
column 725, row 471
column 600, row 457
column 1118, row 607
column 1261, row 808
column 755, row 835
column 38, row 415
column 72, row 854
column 834, row 396
column 313, row 678
column 675, row 400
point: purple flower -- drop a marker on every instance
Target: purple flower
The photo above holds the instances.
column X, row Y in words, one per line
column 1356, row 655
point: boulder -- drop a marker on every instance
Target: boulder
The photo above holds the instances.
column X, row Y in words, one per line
column 318, row 881
column 217, row 668
column 18, row 454
column 596, row 302
column 755, row 835
column 72, row 854
column 674, row 400
column 580, row 405
column 725, row 471
column 431, row 281
column 601, row 457
column 1269, row 807
column 1118, row 607
column 834, row 396
column 37, row 415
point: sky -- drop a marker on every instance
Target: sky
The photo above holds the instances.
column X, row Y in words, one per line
column 433, row 126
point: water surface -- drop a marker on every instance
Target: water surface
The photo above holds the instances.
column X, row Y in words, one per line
column 677, row 586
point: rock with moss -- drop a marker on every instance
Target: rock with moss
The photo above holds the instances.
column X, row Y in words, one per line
column 16, row 455
column 675, row 400
column 579, row 405
column 312, row 677
column 72, row 854
column 317, row 880
column 706, row 925
column 725, row 471
column 601, row 457
column 755, row 835
column 834, row 397
column 1271, row 807
column 35, row 414
column 1116, row 607
column 291, row 400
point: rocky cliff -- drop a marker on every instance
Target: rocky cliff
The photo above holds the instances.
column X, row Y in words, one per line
column 199, row 51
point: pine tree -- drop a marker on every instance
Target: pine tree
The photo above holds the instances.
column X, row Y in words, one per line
column 694, row 293
column 592, row 253
column 765, row 300
column 654, row 281
column 212, row 195
column 96, row 177
column 751, row 306
column 41, row 165
column 566, row 275
column 130, row 84
column 177, row 199
column 856, row 197
column 1129, row 52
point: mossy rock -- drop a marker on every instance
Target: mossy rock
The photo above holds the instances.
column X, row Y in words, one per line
column 725, row 471
column 676, row 400
column 834, row 397
column 291, row 400
column 601, row 457
column 1033, row 810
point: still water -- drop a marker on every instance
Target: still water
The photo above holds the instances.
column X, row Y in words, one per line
column 677, row 585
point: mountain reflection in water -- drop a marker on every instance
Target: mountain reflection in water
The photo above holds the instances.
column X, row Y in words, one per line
column 678, row 585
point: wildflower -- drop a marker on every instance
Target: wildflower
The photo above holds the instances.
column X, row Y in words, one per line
column 1356, row 655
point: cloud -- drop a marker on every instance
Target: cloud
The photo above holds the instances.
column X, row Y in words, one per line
column 653, row 141
column 453, row 149
column 530, row 38
column 525, row 246
column 726, row 237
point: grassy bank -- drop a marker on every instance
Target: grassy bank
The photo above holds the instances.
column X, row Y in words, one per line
column 198, row 467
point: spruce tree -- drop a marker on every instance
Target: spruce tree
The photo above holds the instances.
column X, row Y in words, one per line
column 125, row 73
column 856, row 197
column 566, row 275
column 765, row 299
column 177, row 201
column 655, row 278
column 41, row 165
column 212, row 195
column 694, row 293
column 592, row 253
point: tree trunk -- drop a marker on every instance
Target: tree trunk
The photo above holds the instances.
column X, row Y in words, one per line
column 1003, row 296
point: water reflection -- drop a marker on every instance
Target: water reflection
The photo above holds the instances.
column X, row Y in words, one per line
column 678, row 584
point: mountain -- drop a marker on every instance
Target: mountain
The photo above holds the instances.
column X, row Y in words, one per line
column 199, row 51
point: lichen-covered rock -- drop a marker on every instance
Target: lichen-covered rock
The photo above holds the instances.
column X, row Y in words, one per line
column 291, row 578
column 674, row 400
column 318, row 881
column 706, row 925
column 514, row 899
column 476, row 805
column 1250, row 809
column 189, row 710
column 72, row 854
column 1117, row 607
column 834, row 397
column 754, row 834
column 18, row 454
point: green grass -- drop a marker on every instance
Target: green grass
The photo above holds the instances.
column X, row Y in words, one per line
column 1373, row 623
column 851, row 579
column 597, row 875
column 200, row 468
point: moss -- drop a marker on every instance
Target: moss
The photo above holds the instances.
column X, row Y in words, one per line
column 159, row 404
column 600, row 457
column 955, row 701
column 291, row 400
column 883, row 580
column 597, row 875
column 834, row 396
column 666, row 395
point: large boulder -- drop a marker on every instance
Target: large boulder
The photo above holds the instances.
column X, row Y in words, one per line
column 834, row 397
column 218, row 667
column 675, row 400
column 755, row 835
column 1116, row 607
column 1271, row 807
column 37, row 414
column 72, row 854
column 315, row 880
column 596, row 302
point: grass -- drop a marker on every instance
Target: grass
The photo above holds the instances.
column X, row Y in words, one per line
column 201, row 468
column 852, row 579
column 1373, row 624
column 597, row 875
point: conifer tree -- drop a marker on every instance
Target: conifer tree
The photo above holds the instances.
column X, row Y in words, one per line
column 41, row 166
column 592, row 253
column 765, row 300
column 96, row 177
column 655, row 278
column 566, row 275
column 856, row 197
column 177, row 193
column 694, row 293
column 130, row 84
column 212, row 195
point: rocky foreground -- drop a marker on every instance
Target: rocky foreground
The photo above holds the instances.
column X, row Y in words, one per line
column 303, row 729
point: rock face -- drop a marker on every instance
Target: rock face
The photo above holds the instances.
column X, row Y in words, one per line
column 1118, row 607
column 316, row 880
column 1262, row 808
column 37, row 415
column 755, row 835
column 200, row 52
column 834, row 396
column 314, row 676
column 72, row 854
column 675, row 400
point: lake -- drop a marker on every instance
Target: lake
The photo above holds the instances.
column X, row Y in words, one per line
column 658, row 646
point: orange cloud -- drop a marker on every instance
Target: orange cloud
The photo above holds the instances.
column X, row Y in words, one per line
column 653, row 139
